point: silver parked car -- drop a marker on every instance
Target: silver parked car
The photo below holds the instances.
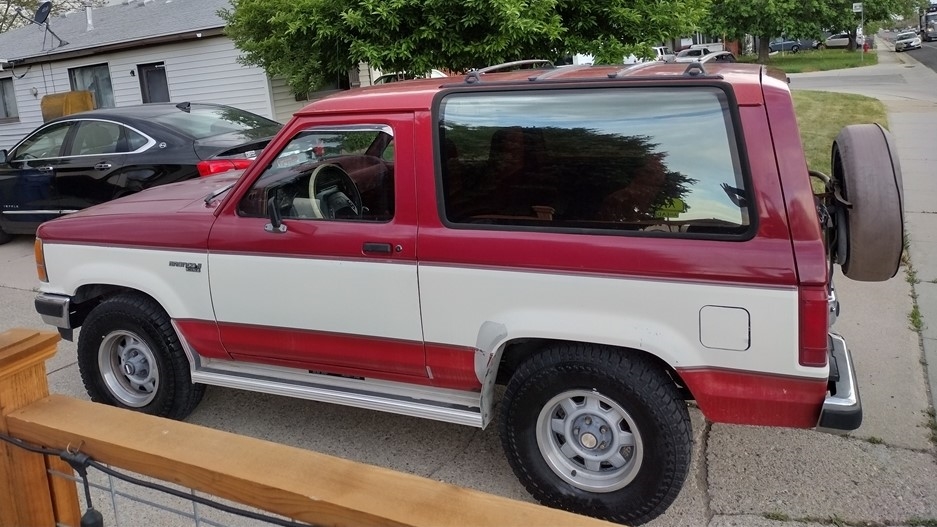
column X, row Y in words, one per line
column 907, row 40
column 839, row 40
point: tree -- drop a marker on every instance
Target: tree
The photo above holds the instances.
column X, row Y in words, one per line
column 310, row 41
column 9, row 18
column 839, row 15
column 797, row 18
column 765, row 19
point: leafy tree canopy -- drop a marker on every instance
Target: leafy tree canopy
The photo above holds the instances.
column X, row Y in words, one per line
column 797, row 18
column 9, row 19
column 309, row 41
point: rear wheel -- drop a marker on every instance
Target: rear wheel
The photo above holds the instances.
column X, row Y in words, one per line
column 5, row 237
column 868, row 236
column 597, row 431
column 795, row 49
column 129, row 356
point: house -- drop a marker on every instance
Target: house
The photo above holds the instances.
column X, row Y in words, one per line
column 132, row 52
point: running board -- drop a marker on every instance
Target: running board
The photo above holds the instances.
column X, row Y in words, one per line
column 440, row 404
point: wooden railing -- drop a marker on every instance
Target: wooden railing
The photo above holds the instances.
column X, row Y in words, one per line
column 288, row 481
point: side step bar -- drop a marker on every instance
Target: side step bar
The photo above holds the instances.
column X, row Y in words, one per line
column 451, row 406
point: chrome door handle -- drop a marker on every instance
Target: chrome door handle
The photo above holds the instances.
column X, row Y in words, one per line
column 103, row 166
column 44, row 169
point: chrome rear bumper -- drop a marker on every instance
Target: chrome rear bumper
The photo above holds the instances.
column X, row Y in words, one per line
column 842, row 409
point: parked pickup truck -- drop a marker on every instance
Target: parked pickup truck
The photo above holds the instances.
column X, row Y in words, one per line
column 567, row 233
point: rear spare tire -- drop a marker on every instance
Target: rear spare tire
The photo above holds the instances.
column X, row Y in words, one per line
column 870, row 230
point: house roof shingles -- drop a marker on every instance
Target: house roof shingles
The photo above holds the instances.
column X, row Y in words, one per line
column 127, row 21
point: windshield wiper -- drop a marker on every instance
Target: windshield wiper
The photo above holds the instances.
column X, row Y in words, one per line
column 209, row 198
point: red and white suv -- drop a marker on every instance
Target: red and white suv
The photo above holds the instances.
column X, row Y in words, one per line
column 408, row 247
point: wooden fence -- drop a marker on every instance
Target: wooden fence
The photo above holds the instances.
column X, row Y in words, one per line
column 304, row 485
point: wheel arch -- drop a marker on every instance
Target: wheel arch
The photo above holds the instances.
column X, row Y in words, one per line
column 510, row 353
column 88, row 296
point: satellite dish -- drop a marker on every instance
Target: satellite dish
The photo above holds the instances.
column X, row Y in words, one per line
column 42, row 12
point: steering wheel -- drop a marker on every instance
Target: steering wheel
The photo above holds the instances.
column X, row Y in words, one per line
column 332, row 191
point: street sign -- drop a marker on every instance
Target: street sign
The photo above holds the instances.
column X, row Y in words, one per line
column 857, row 7
column 671, row 209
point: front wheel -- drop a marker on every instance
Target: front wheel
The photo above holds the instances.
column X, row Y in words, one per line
column 129, row 356
column 597, row 431
column 795, row 49
column 5, row 237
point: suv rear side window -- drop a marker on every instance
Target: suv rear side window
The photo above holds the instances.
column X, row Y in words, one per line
column 636, row 159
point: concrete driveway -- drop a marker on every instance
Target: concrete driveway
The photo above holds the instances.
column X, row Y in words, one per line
column 883, row 474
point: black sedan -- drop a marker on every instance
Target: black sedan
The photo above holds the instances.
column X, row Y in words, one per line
column 87, row 158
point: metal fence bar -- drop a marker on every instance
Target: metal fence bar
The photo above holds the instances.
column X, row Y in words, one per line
column 195, row 515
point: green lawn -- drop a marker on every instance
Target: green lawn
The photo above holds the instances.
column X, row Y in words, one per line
column 817, row 60
column 821, row 115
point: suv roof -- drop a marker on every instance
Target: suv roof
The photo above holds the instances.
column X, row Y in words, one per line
column 419, row 94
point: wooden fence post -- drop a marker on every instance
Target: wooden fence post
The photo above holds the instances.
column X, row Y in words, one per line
column 28, row 494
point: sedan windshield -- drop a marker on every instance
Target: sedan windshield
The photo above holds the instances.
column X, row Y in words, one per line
column 906, row 36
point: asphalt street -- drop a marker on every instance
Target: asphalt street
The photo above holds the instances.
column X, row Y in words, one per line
column 885, row 473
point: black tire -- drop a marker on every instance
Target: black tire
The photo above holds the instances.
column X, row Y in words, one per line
column 643, row 422
column 870, row 232
column 795, row 49
column 5, row 237
column 133, row 330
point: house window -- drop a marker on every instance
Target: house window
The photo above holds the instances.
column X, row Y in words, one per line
column 97, row 80
column 7, row 101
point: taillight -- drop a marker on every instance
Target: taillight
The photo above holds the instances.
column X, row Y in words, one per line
column 216, row 166
column 40, row 261
column 814, row 326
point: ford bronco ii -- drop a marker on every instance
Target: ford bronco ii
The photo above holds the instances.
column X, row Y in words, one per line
column 410, row 247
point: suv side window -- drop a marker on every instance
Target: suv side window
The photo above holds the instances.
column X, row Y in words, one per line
column 329, row 174
column 636, row 159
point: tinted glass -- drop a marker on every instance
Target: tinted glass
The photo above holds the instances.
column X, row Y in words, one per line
column 135, row 140
column 44, row 144
column 319, row 172
column 96, row 137
column 201, row 122
column 660, row 160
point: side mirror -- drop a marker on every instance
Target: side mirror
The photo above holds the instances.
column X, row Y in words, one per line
column 3, row 156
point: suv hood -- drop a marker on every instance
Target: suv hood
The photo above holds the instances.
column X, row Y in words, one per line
column 170, row 198
column 169, row 216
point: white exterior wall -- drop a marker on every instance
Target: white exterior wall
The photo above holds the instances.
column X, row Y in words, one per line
column 284, row 101
column 197, row 71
